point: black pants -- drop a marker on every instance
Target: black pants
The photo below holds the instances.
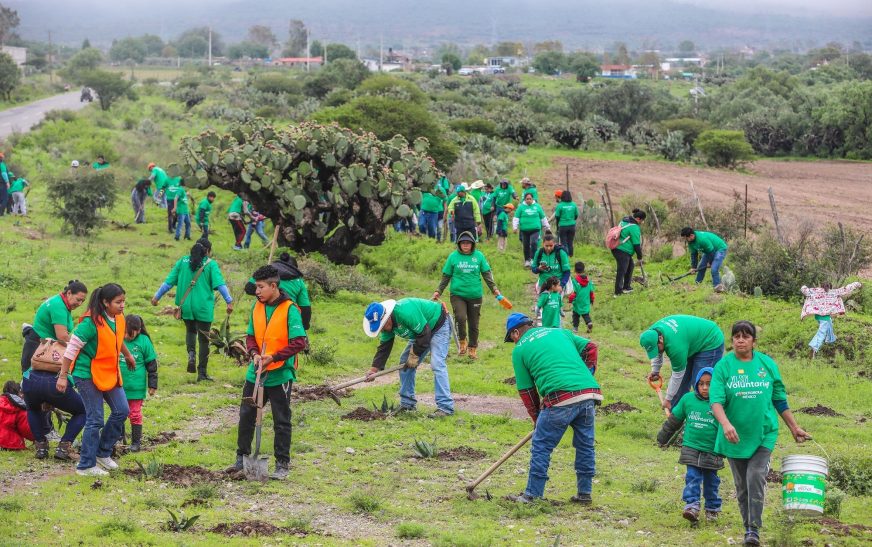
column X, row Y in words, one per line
column 279, row 398
column 489, row 224
column 40, row 388
column 471, row 228
column 466, row 310
column 576, row 317
column 529, row 241
column 624, row 273
column 171, row 216
column 5, row 198
column 566, row 235
column 31, row 342
column 198, row 331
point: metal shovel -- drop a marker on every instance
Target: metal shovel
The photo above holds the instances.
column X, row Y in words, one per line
column 256, row 467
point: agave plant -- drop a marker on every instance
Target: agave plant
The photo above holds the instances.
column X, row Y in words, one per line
column 180, row 523
column 151, row 470
column 425, row 449
column 226, row 342
column 386, row 409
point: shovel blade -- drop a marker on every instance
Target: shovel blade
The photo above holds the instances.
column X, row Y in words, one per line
column 256, row 468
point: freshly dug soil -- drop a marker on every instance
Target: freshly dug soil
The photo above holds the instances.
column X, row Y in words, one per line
column 316, row 393
column 253, row 528
column 162, row 438
column 183, row 475
column 510, row 381
column 363, row 415
column 461, row 453
column 774, row 477
column 819, row 410
column 617, row 408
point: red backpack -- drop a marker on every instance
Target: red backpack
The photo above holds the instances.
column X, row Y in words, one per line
column 613, row 237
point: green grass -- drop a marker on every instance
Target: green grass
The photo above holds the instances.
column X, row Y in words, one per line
column 30, row 89
column 380, row 488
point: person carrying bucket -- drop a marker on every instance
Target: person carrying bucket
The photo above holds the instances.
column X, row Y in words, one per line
column 747, row 395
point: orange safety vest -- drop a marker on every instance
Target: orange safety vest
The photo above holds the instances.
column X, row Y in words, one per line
column 105, row 372
column 273, row 336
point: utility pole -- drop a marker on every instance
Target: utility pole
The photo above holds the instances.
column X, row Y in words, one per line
column 307, row 49
column 210, row 46
column 381, row 52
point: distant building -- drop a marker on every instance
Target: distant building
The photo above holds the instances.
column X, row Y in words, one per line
column 18, row 54
column 298, row 61
column 506, row 61
column 625, row 72
column 685, row 61
column 373, row 66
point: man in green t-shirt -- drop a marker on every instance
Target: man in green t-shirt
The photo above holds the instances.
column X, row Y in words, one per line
column 234, row 215
column 264, row 343
column 101, row 163
column 292, row 283
column 204, row 209
column 432, row 206
column 713, row 250
column 182, row 210
column 426, row 325
column 554, row 375
column 550, row 261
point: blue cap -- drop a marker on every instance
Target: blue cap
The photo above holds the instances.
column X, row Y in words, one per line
column 376, row 315
column 514, row 321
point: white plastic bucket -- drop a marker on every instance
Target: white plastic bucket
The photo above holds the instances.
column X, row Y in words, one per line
column 804, row 483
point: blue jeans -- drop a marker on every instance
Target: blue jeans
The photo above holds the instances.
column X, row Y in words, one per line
column 97, row 443
column 709, row 480
column 186, row 219
column 252, row 228
column 39, row 387
column 695, row 363
column 429, row 224
column 438, row 356
column 550, row 427
column 824, row 334
column 714, row 261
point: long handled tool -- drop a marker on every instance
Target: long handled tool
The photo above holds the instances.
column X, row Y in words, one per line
column 682, row 276
column 333, row 389
column 470, row 488
column 256, row 467
column 658, row 387
column 644, row 280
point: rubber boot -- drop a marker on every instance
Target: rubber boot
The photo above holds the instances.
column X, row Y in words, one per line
column 236, row 467
column 65, row 452
column 472, row 353
column 192, row 362
column 201, row 374
column 41, row 449
column 136, row 438
column 463, row 348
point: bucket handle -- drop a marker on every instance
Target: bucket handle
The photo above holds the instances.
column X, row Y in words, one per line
column 820, row 448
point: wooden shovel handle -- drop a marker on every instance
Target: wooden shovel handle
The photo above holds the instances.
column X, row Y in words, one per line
column 350, row 383
column 471, row 486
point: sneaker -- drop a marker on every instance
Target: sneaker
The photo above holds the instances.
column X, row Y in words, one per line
column 237, row 248
column 720, row 288
column 107, row 463
column 752, row 537
column 691, row 513
column 711, row 515
column 52, row 436
column 406, row 410
column 589, row 328
column 41, row 449
column 526, row 263
column 91, row 471
column 439, row 413
column 583, row 499
column 205, row 378
column 281, row 472
column 237, row 466
column 628, row 291
column 192, row 362
column 520, row 498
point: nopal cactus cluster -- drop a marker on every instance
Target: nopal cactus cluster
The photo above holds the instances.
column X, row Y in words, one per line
column 327, row 188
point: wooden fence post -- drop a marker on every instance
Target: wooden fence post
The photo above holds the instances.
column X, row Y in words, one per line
column 698, row 205
column 746, row 211
column 609, row 197
column 775, row 216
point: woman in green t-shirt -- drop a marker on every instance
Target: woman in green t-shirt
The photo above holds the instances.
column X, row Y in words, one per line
column 746, row 395
column 464, row 269
column 566, row 216
column 195, row 296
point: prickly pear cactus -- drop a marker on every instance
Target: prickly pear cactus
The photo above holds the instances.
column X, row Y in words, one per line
column 327, row 188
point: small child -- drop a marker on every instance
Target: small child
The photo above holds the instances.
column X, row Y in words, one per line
column 582, row 298
column 204, row 209
column 503, row 226
column 14, row 428
column 549, row 303
column 823, row 302
column 697, row 450
column 139, row 376
column 16, row 190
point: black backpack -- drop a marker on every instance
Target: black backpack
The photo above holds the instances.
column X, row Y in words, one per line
column 557, row 248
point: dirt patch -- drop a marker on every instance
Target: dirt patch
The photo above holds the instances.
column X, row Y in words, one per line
column 461, row 453
column 819, row 410
column 363, row 415
column 162, row 438
column 510, row 381
column 216, row 421
column 183, row 475
column 774, row 477
column 163, row 245
column 618, row 407
column 484, row 404
column 315, row 393
column 195, row 502
column 255, row 528
column 833, row 526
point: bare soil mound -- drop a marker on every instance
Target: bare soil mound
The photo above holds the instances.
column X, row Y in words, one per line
column 183, row 475
column 364, row 415
column 315, row 393
column 618, row 407
column 819, row 410
column 510, row 381
column 461, row 453
column 254, row 528
column 774, row 477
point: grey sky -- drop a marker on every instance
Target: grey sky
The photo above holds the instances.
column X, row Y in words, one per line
column 842, row 8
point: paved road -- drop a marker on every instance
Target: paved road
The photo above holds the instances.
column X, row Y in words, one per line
column 22, row 118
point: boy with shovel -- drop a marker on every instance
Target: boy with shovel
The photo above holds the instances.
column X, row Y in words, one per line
column 275, row 337
column 554, row 372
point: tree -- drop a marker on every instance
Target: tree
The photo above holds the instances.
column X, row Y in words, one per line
column 339, row 51
column 549, row 62
column 477, row 55
column 625, row 103
column 584, row 65
column 9, row 21
column 345, row 73
column 247, row 49
column 548, row 45
column 687, row 47
column 509, row 49
column 10, row 76
column 316, row 49
column 194, row 43
column 84, row 61
column 109, row 86
column 128, row 48
column 262, row 35
column 622, row 56
column 451, row 63
column 722, row 148
column 580, row 102
column 79, row 200
column 297, row 36
column 153, row 45
column 327, row 189
column 86, row 44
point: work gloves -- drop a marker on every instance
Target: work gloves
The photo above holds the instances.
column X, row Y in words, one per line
column 413, row 360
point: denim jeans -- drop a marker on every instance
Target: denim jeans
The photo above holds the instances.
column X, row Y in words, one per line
column 429, row 224
column 824, row 334
column 695, row 363
column 186, row 219
column 550, row 427
column 709, row 480
column 713, row 261
column 438, row 356
column 39, row 387
column 97, row 443
column 252, row 228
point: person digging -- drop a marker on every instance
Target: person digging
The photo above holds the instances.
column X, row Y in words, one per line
column 275, row 338
column 425, row 324
column 554, row 371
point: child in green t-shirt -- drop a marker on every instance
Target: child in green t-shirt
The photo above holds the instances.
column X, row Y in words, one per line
column 140, row 377
column 582, row 297
column 698, row 446
column 503, row 225
column 550, row 303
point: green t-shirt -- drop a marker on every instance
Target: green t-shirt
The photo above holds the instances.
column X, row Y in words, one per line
column 503, row 221
column 530, row 217
column 502, row 195
column 476, row 195
column 4, row 172
column 747, row 391
column 86, row 331
column 433, row 203
column 487, row 203
column 136, row 381
column 235, row 206
column 97, row 165
column 206, row 207
column 161, row 180
column 556, row 263
column 566, row 213
column 297, row 290
column 581, row 303
column 687, row 335
column 50, row 313
column 200, row 304
column 550, row 302
column 411, row 316
column 286, row 372
column 632, row 230
column 17, row 185
column 182, row 195
column 550, row 360
column 465, row 272
column 532, row 190
column 706, row 242
column 700, row 426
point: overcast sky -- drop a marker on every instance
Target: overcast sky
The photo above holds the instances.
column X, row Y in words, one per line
column 843, row 8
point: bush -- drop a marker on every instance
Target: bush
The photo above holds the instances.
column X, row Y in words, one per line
column 673, row 147
column 470, row 126
column 853, row 475
column 276, row 84
column 643, row 134
column 411, row 530
column 79, row 200
column 519, row 127
column 572, row 134
column 690, row 128
column 364, row 503
column 723, row 148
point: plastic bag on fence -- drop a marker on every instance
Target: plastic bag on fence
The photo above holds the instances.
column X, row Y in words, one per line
column 728, row 279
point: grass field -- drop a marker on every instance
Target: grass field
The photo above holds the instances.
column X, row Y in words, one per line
column 32, row 88
column 358, row 482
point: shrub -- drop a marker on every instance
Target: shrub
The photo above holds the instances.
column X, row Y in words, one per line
column 571, row 134
column 79, row 200
column 109, row 86
column 723, row 148
column 411, row 530
column 852, row 474
column 276, row 84
column 643, row 134
column 605, row 130
column 519, row 127
column 364, row 503
column 480, row 126
column 690, row 128
column 673, row 147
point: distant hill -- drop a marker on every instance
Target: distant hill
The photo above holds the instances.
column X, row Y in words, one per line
column 578, row 24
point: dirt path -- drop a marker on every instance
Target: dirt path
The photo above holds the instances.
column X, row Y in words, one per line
column 824, row 191
column 483, row 404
